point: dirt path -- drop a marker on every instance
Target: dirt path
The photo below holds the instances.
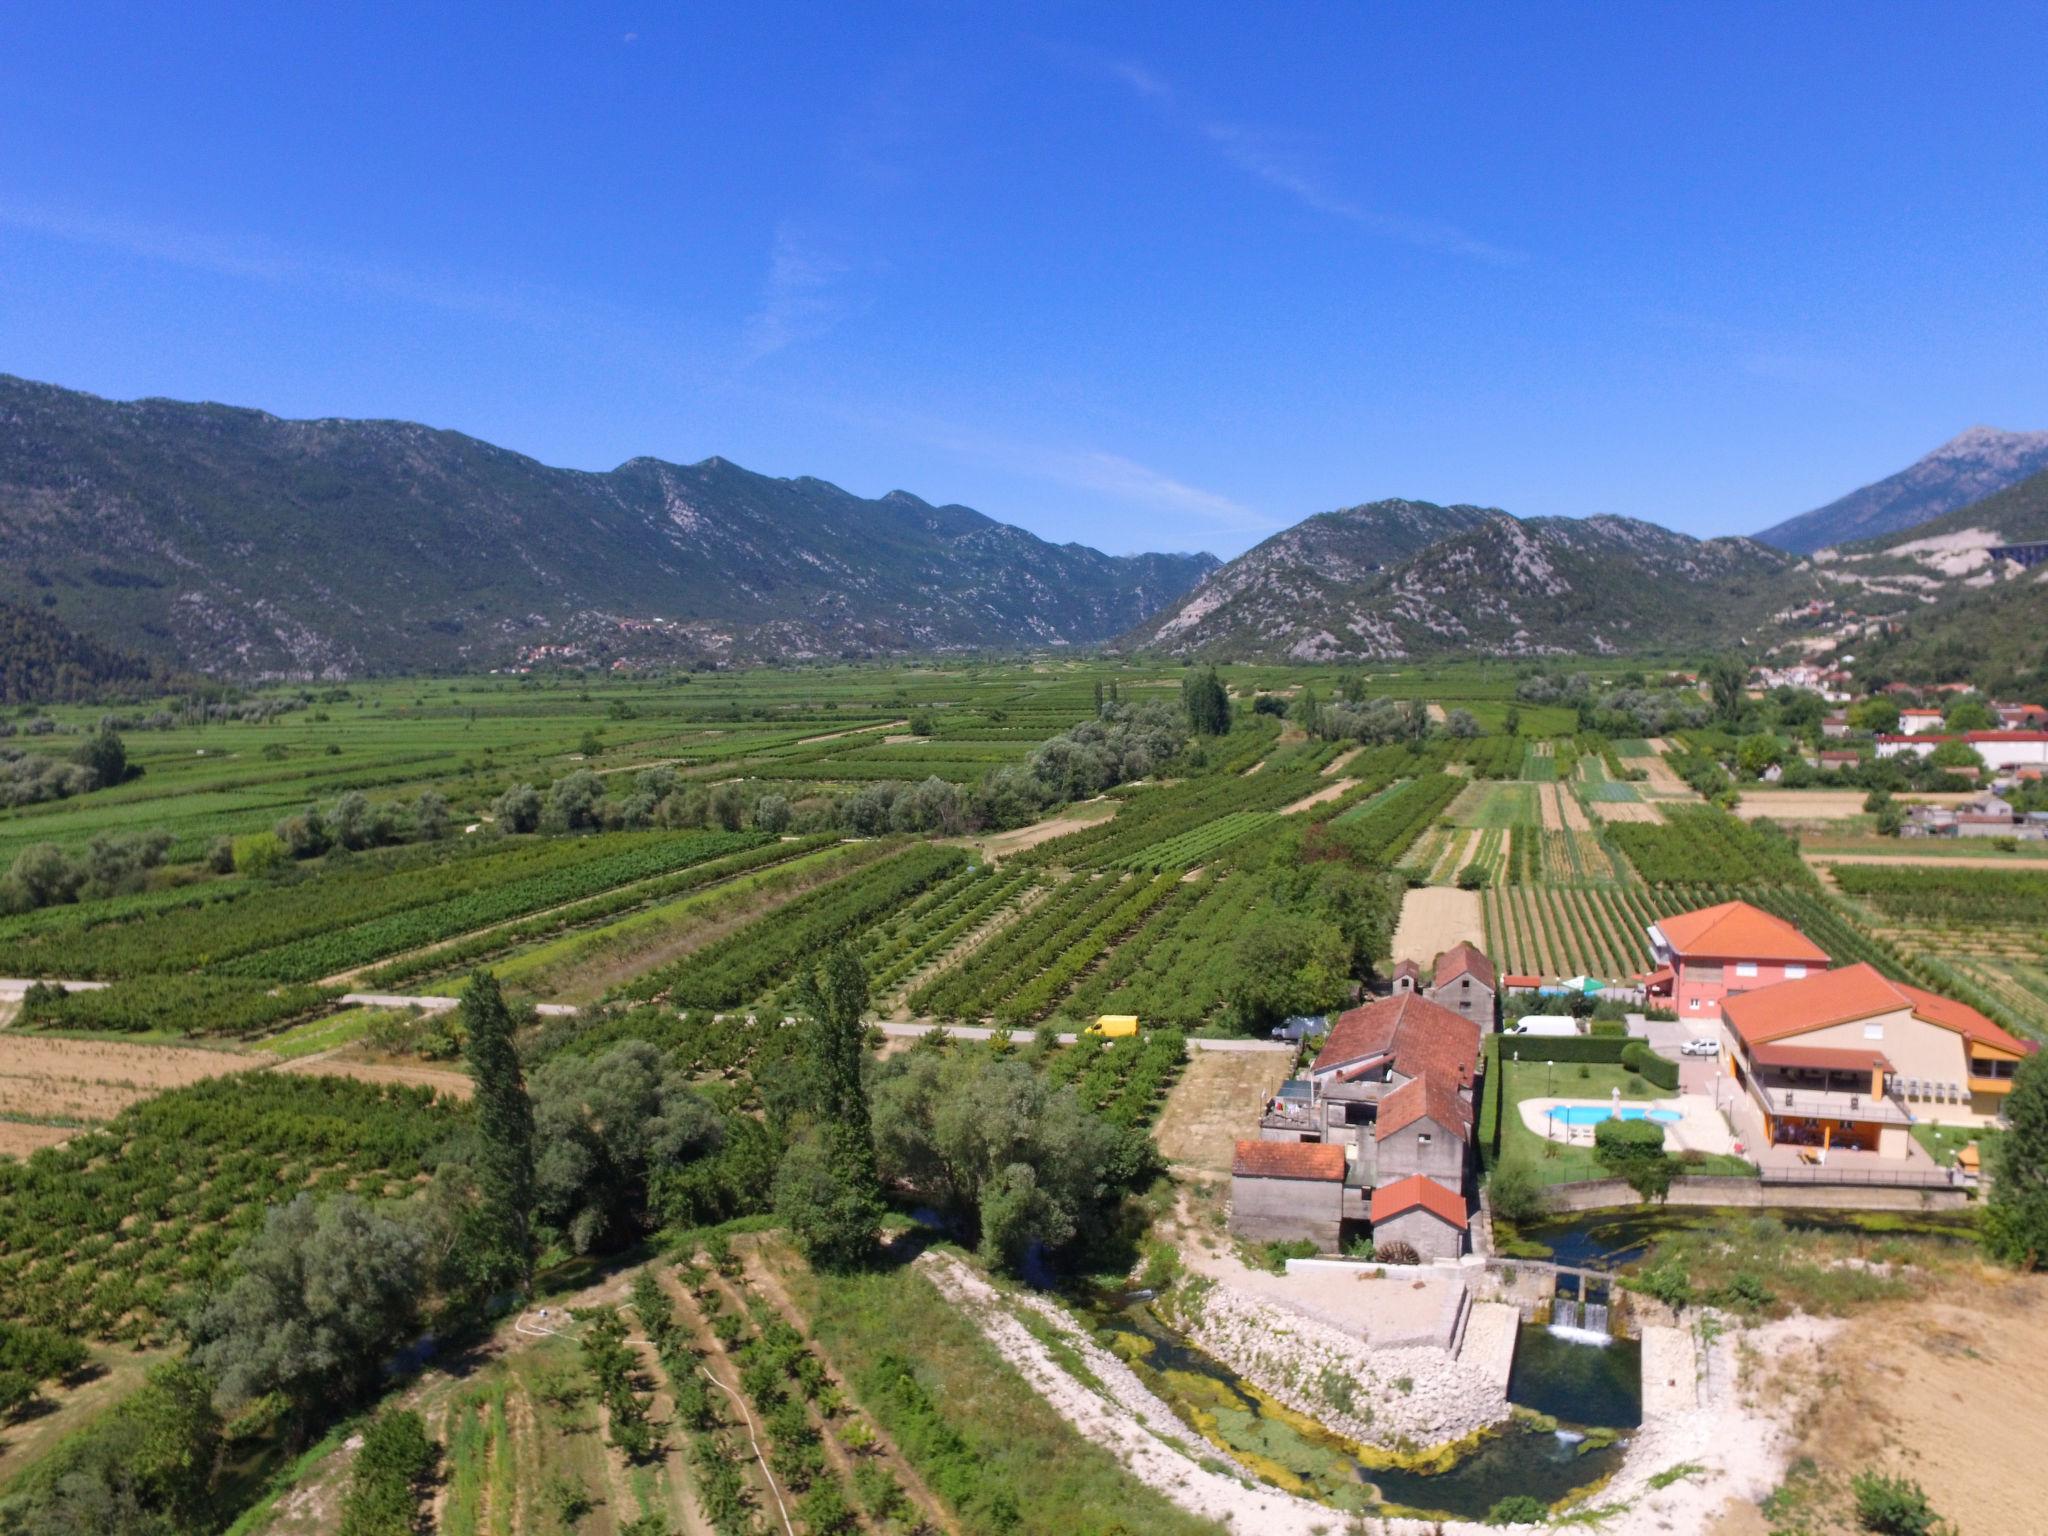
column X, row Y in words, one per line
column 1327, row 793
column 1433, row 918
column 997, row 846
column 855, row 730
column 1219, row 1098
column 1336, row 765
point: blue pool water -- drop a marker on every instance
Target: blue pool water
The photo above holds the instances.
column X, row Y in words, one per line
column 1593, row 1114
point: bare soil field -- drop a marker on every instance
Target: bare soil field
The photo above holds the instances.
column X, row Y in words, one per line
column 1547, row 805
column 1569, row 809
column 1435, row 917
column 1822, row 804
column 1625, row 810
column 1924, row 860
column 19, row 1139
column 998, row 846
column 1902, row 1378
column 1218, row 1099
column 1661, row 779
column 455, row 1084
column 1329, row 792
column 95, row 1080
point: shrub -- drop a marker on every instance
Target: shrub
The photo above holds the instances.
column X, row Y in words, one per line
column 1514, row 1193
column 1517, row 1509
column 383, row 1496
column 1894, row 1506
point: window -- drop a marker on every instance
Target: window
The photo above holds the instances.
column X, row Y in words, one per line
column 1873, row 1031
column 1422, row 1138
column 1795, row 973
column 1745, row 968
column 1694, row 1005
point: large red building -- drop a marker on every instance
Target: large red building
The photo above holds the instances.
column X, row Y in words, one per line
column 1706, row 956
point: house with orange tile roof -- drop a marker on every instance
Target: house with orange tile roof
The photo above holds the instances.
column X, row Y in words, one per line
column 1705, row 957
column 1373, row 1050
column 1421, row 1213
column 1424, row 1130
column 1289, row 1191
column 1851, row 1058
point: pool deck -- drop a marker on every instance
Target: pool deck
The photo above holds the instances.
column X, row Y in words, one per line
column 1700, row 1127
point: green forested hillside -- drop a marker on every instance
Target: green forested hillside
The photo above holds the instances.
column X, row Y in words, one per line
column 234, row 542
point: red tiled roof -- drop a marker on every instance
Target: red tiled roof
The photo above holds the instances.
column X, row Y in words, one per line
column 1461, row 959
column 1419, row 1097
column 1821, row 1057
column 1525, row 983
column 1318, row 1160
column 1938, row 737
column 1859, row 991
column 1735, row 930
column 1407, row 968
column 1421, row 1037
column 1390, row 1200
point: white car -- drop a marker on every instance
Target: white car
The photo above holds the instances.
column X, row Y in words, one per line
column 1706, row 1045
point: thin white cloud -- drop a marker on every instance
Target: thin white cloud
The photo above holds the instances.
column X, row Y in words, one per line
column 256, row 259
column 1280, row 162
column 798, row 301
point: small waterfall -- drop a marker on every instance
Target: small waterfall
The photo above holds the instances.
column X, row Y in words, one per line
column 1578, row 1321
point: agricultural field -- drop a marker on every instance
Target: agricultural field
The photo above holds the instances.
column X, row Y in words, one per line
column 691, row 848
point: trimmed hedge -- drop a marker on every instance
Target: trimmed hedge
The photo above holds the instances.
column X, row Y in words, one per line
column 1573, row 1048
column 1491, row 1091
column 1638, row 1057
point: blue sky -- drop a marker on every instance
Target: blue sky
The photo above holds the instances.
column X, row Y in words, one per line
column 1145, row 276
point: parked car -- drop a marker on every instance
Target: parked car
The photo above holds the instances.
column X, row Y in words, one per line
column 1706, row 1045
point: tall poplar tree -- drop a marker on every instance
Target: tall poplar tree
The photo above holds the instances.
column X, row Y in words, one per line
column 828, row 1189
column 503, row 1250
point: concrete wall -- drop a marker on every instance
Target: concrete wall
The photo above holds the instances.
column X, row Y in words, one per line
column 1708, row 1189
column 1441, row 1158
column 1283, row 1210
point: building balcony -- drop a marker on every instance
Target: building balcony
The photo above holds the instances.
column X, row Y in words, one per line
column 1808, row 1103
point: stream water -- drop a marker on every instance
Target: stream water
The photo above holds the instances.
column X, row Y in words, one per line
column 1613, row 1239
column 1590, row 1392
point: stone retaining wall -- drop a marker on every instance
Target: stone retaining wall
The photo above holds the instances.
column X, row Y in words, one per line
column 1717, row 1190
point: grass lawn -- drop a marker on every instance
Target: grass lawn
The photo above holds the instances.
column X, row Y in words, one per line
column 1943, row 1142
column 1504, row 806
column 1553, row 1162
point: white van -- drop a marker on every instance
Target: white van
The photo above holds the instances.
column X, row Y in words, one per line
column 1551, row 1024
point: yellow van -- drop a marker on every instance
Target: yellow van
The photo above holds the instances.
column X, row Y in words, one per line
column 1114, row 1026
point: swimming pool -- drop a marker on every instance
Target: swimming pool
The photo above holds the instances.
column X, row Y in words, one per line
column 1593, row 1114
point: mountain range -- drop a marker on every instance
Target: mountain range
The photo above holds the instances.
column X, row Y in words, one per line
column 227, row 541
column 234, row 542
column 1965, row 469
column 1405, row 578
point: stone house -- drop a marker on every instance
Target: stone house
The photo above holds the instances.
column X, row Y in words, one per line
column 1288, row 1191
column 1466, row 983
column 1421, row 1213
column 1371, row 1051
column 1423, row 1129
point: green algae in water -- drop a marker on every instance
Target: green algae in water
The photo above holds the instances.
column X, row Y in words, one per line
column 1291, row 1451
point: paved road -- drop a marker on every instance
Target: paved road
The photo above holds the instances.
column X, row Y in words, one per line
column 12, row 988
column 431, row 1004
